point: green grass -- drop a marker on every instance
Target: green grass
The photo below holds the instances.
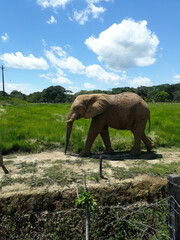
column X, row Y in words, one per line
column 56, row 174
column 165, row 127
column 32, row 127
column 27, row 167
column 36, row 127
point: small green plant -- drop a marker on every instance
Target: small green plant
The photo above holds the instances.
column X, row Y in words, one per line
column 85, row 199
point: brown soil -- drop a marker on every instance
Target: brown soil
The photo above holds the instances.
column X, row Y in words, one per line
column 23, row 197
column 75, row 164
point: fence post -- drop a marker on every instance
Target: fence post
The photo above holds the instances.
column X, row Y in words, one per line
column 174, row 206
column 87, row 212
column 100, row 167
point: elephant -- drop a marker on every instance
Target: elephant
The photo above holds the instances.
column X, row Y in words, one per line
column 124, row 111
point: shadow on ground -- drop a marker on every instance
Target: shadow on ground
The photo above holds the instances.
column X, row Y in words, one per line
column 121, row 156
column 116, row 156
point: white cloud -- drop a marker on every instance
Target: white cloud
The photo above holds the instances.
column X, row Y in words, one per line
column 72, row 64
column 47, row 76
column 60, row 59
column 176, row 78
column 125, row 45
column 97, row 72
column 21, row 87
column 59, row 51
column 61, row 80
column 17, row 60
column 91, row 10
column 53, row 3
column 140, row 81
column 89, row 86
column 59, row 77
column 5, row 37
column 73, row 89
column 51, row 20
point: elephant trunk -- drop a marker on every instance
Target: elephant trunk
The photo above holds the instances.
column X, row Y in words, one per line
column 68, row 133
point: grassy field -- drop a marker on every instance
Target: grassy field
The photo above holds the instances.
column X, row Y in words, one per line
column 36, row 127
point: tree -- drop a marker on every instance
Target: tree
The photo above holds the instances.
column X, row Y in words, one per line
column 142, row 92
column 54, row 94
column 176, row 96
column 2, row 94
column 17, row 94
column 35, row 97
column 162, row 96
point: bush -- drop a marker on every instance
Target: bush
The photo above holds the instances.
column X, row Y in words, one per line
column 162, row 96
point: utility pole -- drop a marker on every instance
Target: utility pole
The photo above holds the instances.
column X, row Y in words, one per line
column 3, row 80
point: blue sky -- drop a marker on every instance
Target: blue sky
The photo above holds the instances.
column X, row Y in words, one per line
column 89, row 44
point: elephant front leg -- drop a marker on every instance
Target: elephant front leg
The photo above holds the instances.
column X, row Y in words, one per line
column 105, row 137
column 96, row 127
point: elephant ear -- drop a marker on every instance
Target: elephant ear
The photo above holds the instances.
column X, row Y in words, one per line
column 96, row 106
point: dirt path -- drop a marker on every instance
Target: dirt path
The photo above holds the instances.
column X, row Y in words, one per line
column 54, row 171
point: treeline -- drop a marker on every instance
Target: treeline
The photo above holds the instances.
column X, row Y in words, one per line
column 58, row 94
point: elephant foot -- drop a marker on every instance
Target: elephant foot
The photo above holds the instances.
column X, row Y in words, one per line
column 84, row 153
column 135, row 152
column 108, row 151
column 150, row 147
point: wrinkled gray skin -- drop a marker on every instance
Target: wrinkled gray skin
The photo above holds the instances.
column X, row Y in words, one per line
column 122, row 111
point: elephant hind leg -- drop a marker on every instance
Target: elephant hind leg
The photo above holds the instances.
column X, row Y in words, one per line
column 147, row 141
column 138, row 134
column 105, row 137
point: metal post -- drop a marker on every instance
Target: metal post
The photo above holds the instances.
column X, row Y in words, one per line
column 3, row 80
column 100, row 167
column 174, row 206
column 87, row 212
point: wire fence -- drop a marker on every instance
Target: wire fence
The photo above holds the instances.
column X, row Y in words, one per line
column 158, row 220
column 148, row 221
column 139, row 221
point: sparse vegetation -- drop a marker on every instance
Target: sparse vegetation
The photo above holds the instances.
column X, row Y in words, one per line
column 27, row 167
column 106, row 223
column 157, row 169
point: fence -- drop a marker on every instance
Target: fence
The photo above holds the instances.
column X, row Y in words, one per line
column 174, row 206
column 149, row 231
column 159, row 220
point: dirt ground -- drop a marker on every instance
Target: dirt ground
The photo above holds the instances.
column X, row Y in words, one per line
column 55, row 171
